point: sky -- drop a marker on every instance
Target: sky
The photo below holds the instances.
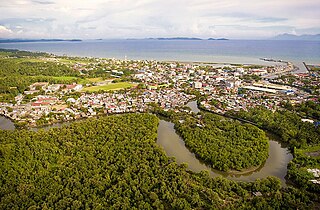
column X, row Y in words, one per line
column 113, row 19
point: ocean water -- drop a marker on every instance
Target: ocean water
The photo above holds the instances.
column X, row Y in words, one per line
column 230, row 51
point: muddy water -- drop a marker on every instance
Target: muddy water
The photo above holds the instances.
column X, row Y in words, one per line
column 6, row 123
column 275, row 165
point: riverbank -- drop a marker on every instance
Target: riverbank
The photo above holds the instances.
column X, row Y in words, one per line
column 168, row 139
column 95, row 154
column 174, row 146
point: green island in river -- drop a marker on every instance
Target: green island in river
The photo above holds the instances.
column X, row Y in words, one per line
column 223, row 143
column 110, row 159
column 114, row 162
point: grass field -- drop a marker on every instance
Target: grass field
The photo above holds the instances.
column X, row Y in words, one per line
column 80, row 80
column 111, row 86
column 65, row 78
column 71, row 61
column 98, row 79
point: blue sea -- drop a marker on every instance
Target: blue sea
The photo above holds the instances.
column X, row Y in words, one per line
column 229, row 51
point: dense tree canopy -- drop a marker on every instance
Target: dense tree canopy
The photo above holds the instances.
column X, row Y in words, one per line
column 27, row 68
column 19, row 69
column 114, row 162
column 309, row 109
column 285, row 124
column 302, row 137
column 224, row 143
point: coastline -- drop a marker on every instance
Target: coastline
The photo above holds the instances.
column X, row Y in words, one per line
column 215, row 52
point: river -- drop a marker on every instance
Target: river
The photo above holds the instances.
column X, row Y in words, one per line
column 275, row 165
column 193, row 106
column 172, row 143
column 6, row 123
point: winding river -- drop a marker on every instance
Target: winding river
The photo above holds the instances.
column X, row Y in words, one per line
column 172, row 143
column 275, row 165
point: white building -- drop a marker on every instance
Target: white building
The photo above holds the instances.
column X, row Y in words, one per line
column 197, row 85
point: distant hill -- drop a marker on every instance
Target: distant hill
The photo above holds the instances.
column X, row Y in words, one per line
column 38, row 40
column 218, row 39
column 286, row 36
column 185, row 38
column 176, row 38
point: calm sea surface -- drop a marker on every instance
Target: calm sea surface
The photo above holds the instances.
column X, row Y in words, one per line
column 231, row 51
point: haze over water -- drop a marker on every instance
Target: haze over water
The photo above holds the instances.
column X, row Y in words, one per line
column 231, row 51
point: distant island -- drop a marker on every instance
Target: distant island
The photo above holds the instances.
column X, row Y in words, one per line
column 38, row 40
column 183, row 39
column 218, row 39
column 286, row 36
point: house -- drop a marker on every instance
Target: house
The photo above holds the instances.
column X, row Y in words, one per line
column 197, row 85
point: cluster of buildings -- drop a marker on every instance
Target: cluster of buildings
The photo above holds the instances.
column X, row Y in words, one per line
column 316, row 174
column 309, row 81
column 170, row 85
column 53, row 109
column 52, row 88
column 251, row 99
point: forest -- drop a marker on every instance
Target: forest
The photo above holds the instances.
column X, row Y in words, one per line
column 307, row 109
column 286, row 124
column 20, row 74
column 19, row 69
column 303, row 138
column 114, row 163
column 224, row 143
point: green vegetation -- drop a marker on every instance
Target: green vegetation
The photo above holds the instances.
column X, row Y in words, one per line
column 307, row 158
column 251, row 77
column 67, row 60
column 19, row 69
column 114, row 163
column 314, row 67
column 97, row 79
column 10, row 67
column 302, row 138
column 19, row 54
column 309, row 109
column 110, row 86
column 285, row 124
column 253, row 66
column 309, row 84
column 224, row 143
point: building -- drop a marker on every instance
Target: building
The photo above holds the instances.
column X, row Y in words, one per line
column 197, row 85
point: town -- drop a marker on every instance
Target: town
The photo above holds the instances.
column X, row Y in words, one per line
column 170, row 85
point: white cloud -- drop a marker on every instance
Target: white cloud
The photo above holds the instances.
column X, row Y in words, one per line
column 154, row 18
column 5, row 32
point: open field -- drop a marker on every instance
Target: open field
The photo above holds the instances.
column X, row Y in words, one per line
column 71, row 61
column 80, row 80
column 21, row 60
column 111, row 86
column 65, row 78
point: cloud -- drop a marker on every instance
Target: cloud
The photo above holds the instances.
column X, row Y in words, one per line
column 25, row 21
column 271, row 19
column 5, row 32
column 154, row 18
